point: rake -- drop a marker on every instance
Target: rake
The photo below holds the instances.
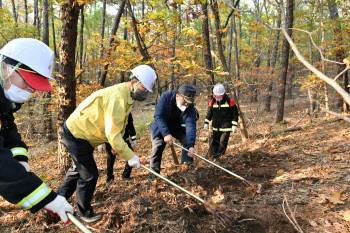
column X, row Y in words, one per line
column 213, row 208
column 208, row 161
column 78, row 224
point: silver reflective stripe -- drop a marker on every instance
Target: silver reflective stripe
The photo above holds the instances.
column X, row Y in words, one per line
column 19, row 151
column 222, row 106
column 35, row 197
column 183, row 125
column 222, row 129
column 133, row 137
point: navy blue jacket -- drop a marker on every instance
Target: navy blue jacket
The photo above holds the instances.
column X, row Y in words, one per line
column 162, row 114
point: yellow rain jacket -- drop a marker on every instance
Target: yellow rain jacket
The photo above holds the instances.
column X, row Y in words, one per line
column 102, row 117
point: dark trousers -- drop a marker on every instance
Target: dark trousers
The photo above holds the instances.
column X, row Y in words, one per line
column 111, row 160
column 82, row 175
column 219, row 143
column 158, row 146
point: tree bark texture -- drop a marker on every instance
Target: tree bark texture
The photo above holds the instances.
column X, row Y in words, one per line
column 206, row 48
column 102, row 35
column 284, row 62
column 272, row 66
column 66, row 79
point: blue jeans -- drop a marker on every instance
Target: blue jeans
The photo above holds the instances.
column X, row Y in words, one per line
column 82, row 175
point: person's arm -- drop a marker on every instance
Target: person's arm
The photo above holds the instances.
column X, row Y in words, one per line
column 234, row 112
column 209, row 113
column 159, row 115
column 20, row 187
column 190, row 122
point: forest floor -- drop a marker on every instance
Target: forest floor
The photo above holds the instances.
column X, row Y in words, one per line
column 306, row 171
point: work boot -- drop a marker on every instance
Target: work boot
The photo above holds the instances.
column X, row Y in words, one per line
column 93, row 218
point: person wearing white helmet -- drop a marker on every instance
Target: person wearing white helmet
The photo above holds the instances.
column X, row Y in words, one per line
column 223, row 112
column 25, row 67
column 100, row 118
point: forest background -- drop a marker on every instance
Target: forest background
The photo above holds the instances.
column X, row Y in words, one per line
column 284, row 62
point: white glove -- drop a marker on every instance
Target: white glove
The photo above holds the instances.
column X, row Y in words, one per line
column 206, row 127
column 135, row 162
column 133, row 143
column 25, row 165
column 101, row 147
column 234, row 129
column 60, row 207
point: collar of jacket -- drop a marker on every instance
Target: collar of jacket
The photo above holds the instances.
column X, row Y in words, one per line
column 6, row 106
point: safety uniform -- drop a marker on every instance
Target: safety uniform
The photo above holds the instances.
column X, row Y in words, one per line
column 17, row 185
column 224, row 115
column 100, row 118
column 130, row 133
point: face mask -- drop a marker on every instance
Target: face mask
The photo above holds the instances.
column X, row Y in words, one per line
column 181, row 107
column 16, row 94
column 218, row 99
column 140, row 95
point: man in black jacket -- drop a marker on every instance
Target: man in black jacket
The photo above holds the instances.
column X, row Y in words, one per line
column 26, row 65
column 130, row 133
column 224, row 113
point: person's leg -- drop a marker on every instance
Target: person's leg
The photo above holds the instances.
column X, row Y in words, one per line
column 223, row 142
column 110, row 162
column 69, row 184
column 127, row 168
column 181, row 136
column 81, row 153
column 215, row 143
column 158, row 146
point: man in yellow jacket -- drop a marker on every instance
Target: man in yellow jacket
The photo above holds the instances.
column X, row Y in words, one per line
column 100, row 118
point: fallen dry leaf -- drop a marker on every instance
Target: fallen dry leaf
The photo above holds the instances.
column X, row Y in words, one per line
column 347, row 215
column 280, row 173
column 335, row 200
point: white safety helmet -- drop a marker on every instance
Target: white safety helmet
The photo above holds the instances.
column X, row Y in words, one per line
column 145, row 75
column 36, row 60
column 219, row 89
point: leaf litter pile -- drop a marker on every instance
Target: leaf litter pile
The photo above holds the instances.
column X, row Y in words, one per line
column 301, row 180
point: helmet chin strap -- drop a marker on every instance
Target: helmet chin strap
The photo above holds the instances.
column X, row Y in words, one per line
column 3, row 80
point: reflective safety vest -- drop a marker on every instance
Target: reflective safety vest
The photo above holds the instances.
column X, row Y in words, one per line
column 224, row 114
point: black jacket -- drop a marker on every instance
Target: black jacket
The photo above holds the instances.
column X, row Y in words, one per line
column 17, row 185
column 223, row 113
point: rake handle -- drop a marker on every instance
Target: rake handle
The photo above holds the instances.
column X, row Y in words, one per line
column 172, row 183
column 208, row 161
column 78, row 223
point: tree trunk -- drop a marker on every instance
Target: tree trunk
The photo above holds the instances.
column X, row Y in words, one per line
column 272, row 66
column 66, row 80
column 25, row 12
column 48, row 127
column 81, row 39
column 102, row 35
column 14, row 13
column 53, row 31
column 111, row 40
column 340, row 53
column 206, row 48
column 35, row 22
column 172, row 76
column 284, row 62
